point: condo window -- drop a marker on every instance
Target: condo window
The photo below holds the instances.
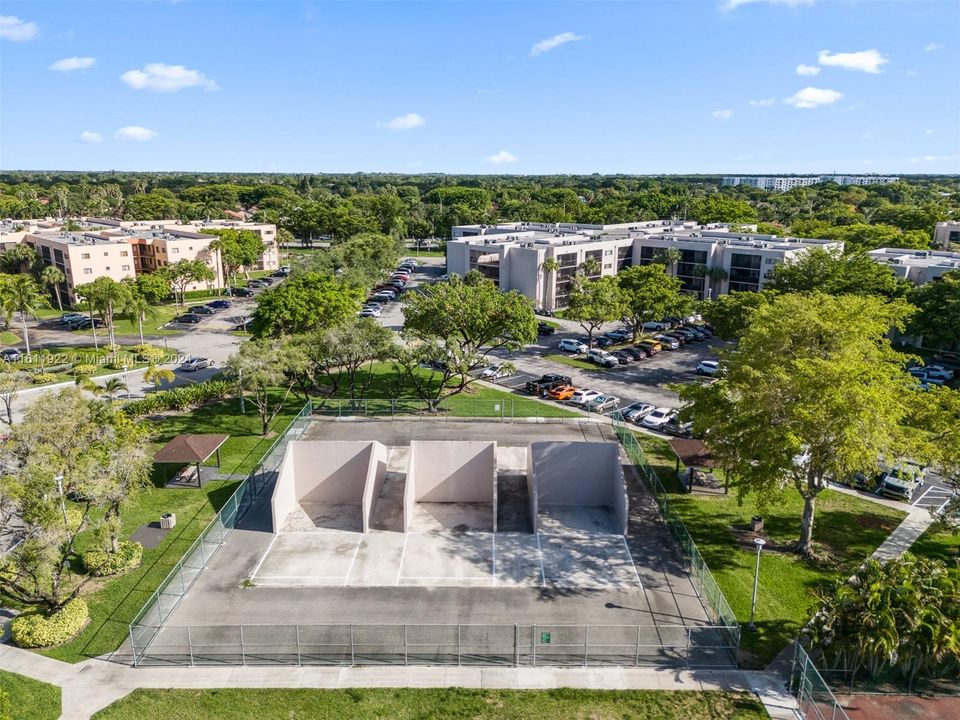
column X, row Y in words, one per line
column 124, row 267
column 88, row 271
column 174, row 251
column 84, row 256
column 124, row 253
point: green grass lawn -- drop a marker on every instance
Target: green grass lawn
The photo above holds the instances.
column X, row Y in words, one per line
column 116, row 601
column 55, row 355
column 939, row 542
column 575, row 362
column 30, row 699
column 8, row 337
column 433, row 704
column 847, row 529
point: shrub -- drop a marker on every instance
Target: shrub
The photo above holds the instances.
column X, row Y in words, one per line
column 42, row 378
column 6, row 708
column 181, row 398
column 115, row 365
column 149, row 353
column 32, row 630
column 102, row 562
column 84, row 370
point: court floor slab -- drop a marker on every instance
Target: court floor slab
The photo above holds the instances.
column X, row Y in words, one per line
column 447, row 559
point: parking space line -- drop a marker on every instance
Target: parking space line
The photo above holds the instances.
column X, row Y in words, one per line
column 942, row 506
column 915, row 502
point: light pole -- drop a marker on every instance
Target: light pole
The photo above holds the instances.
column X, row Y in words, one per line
column 759, row 542
column 63, row 506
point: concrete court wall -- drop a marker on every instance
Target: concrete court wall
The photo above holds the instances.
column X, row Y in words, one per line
column 577, row 474
column 341, row 472
column 451, row 472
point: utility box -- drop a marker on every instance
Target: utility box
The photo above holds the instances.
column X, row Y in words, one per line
column 168, row 521
column 756, row 523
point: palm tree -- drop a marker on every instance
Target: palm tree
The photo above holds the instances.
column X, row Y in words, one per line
column 717, row 275
column 21, row 294
column 113, row 386
column 51, row 276
column 17, row 259
column 590, row 267
column 139, row 309
column 669, row 257
column 107, row 296
column 157, row 376
column 549, row 266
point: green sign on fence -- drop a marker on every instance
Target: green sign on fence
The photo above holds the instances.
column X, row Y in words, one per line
column 544, row 638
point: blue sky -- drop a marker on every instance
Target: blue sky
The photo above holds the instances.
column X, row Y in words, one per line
column 735, row 86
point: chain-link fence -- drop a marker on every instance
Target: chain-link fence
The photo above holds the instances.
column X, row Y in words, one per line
column 154, row 614
column 706, row 587
column 422, row 644
column 456, row 407
column 814, row 696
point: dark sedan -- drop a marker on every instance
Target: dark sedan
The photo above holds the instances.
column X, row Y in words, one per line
column 188, row 318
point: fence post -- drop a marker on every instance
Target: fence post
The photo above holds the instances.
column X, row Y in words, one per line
column 133, row 645
column 533, row 644
column 458, row 645
column 516, row 645
column 297, row 627
column 190, row 645
column 586, row 643
column 353, row 657
column 689, row 632
column 637, row 661
column 243, row 654
column 404, row 644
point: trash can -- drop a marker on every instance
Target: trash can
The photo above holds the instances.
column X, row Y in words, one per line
column 167, row 521
column 756, row 523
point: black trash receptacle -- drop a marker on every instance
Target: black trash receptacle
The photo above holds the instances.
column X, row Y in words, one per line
column 756, row 523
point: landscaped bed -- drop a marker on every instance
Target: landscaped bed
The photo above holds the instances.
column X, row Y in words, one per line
column 433, row 704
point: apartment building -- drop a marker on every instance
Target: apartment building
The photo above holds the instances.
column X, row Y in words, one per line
column 947, row 234
column 917, row 266
column 710, row 259
column 781, row 184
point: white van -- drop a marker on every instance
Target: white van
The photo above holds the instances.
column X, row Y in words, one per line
column 602, row 358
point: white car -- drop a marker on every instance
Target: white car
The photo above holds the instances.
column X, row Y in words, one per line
column 938, row 372
column 494, row 372
column 637, row 411
column 655, row 325
column 602, row 403
column 708, row 367
column 195, row 363
column 370, row 312
column 583, row 397
column 658, row 418
column 572, row 346
column 667, row 342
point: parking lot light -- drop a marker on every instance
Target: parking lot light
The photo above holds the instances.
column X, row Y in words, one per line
column 759, row 542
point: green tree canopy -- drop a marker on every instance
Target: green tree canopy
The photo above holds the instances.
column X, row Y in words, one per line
column 594, row 302
column 306, row 302
column 938, row 316
column 833, row 273
column 813, row 391
column 649, row 293
column 731, row 314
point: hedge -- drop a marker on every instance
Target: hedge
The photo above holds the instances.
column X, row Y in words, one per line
column 102, row 562
column 84, row 370
column 179, row 398
column 32, row 630
column 42, row 378
column 149, row 353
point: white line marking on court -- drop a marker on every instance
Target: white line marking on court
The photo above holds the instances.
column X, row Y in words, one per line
column 263, row 557
column 493, row 543
column 402, row 553
column 632, row 563
column 356, row 551
column 543, row 573
column 922, row 496
column 301, row 577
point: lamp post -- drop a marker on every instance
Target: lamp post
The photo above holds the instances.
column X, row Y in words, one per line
column 759, row 542
column 63, row 505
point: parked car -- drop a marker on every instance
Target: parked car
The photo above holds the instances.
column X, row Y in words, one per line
column 682, row 339
column 220, row 304
column 602, row 358
column 938, row 372
column 708, row 367
column 494, row 372
column 10, row 355
column 688, row 335
column 192, row 364
column 620, row 335
column 603, row 403
column 562, row 392
column 189, row 318
column 370, row 312
column 658, row 418
column 583, row 397
column 634, row 353
column 86, row 323
column 671, row 343
column 543, row 312
column 602, row 342
column 385, row 295
column 651, row 348
column 256, row 284
column 902, row 480
column 69, row 317
column 240, row 292
column 545, row 330
column 572, row 346
column 203, row 310
column 624, row 358
column 637, row 411
column 546, row 383
column 674, row 427
column 656, row 325
column 702, row 329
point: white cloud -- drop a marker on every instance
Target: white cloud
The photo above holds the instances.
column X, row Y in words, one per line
column 722, row 114
column 933, row 46
column 766, row 102
column 160, row 77
column 807, row 70
column 502, row 158
column 73, row 63
column 811, row 97
column 929, row 158
column 734, row 4
column 135, row 133
column 16, row 30
column 868, row 61
column 555, row 42
column 88, row 136
column 405, row 122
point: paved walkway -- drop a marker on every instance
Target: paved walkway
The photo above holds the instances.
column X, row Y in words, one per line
column 94, row 684
column 905, row 535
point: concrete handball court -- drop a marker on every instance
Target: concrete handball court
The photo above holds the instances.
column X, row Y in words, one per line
column 531, row 531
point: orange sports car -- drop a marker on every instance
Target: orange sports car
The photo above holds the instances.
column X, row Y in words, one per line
column 563, row 392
